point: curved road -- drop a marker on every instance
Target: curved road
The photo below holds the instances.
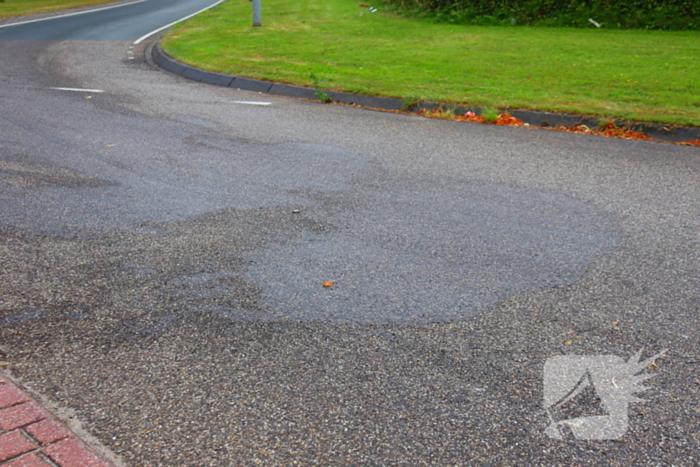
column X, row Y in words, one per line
column 165, row 244
column 112, row 22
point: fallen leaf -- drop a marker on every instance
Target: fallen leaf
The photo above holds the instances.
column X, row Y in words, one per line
column 506, row 119
column 328, row 284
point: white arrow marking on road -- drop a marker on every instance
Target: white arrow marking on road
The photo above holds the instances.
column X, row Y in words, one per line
column 69, row 14
column 140, row 39
column 78, row 90
column 251, row 102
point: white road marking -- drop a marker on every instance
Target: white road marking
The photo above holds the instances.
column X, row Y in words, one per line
column 70, row 14
column 140, row 39
column 78, row 90
column 251, row 102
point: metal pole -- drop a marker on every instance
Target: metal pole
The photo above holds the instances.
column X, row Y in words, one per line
column 257, row 13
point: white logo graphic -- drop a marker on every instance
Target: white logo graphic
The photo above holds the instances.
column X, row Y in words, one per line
column 589, row 395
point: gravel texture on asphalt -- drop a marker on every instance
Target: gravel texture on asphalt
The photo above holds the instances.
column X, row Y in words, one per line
column 163, row 253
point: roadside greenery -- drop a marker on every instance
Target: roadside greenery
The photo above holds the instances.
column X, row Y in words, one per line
column 339, row 45
column 640, row 14
column 12, row 8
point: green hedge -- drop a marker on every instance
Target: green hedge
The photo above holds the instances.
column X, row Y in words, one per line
column 638, row 14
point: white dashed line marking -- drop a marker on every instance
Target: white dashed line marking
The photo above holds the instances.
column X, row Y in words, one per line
column 78, row 90
column 251, row 102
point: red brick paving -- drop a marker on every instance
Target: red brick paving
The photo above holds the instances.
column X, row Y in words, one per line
column 47, row 431
column 73, row 452
column 31, row 437
column 10, row 395
column 30, row 460
column 13, row 444
column 21, row 415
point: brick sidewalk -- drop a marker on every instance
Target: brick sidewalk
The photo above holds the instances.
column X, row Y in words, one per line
column 31, row 437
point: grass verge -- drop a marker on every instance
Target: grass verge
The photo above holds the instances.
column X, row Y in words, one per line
column 12, row 8
column 638, row 75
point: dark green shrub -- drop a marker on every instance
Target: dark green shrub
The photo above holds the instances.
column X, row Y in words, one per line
column 638, row 14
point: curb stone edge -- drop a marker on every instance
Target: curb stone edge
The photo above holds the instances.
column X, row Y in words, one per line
column 671, row 133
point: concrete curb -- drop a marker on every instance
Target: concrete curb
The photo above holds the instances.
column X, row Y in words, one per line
column 670, row 133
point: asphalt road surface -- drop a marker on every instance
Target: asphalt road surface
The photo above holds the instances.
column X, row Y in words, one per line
column 164, row 247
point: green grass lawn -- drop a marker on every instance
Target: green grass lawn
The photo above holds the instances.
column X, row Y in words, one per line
column 641, row 75
column 11, row 8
